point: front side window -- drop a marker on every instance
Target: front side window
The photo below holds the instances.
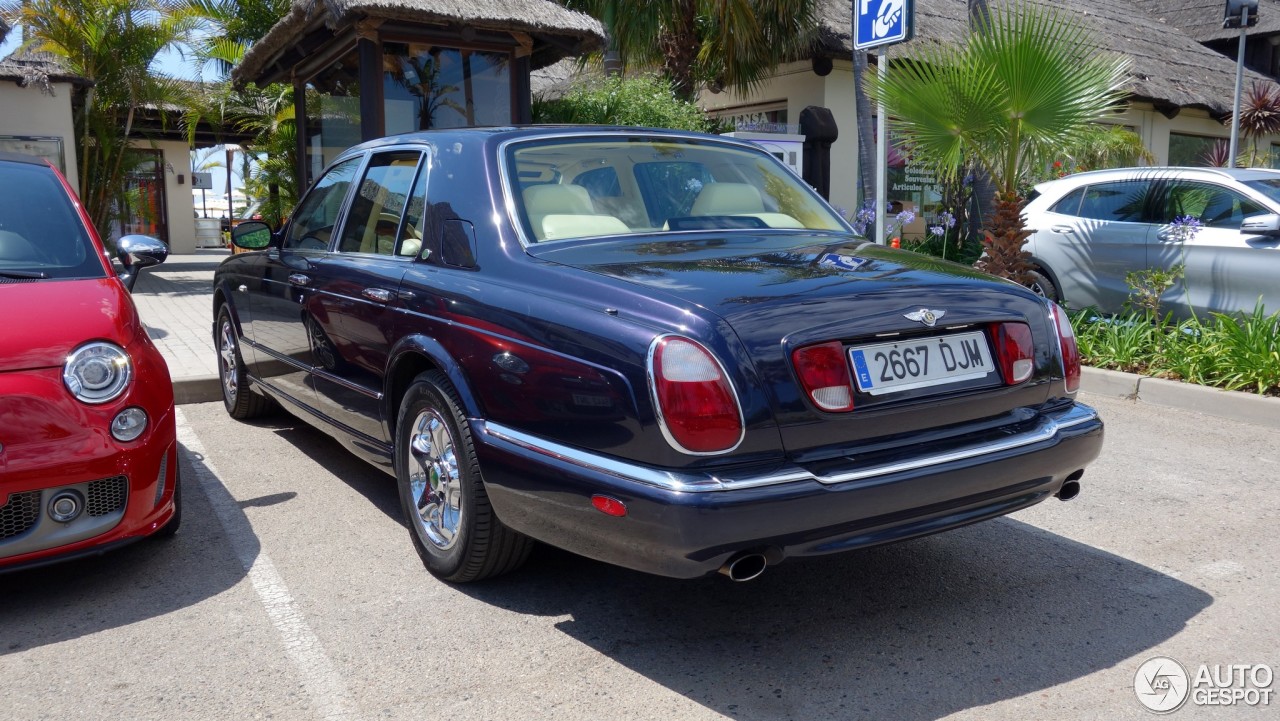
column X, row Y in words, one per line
column 313, row 222
column 41, row 235
column 1213, row 205
column 373, row 225
column 1121, row 201
column 571, row 188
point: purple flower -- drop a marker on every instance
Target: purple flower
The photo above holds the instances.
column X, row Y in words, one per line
column 937, row 229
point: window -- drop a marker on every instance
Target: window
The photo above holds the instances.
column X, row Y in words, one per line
column 1070, row 203
column 1213, row 205
column 1120, row 201
column 427, row 86
column 600, row 183
column 1194, row 150
column 313, row 222
column 332, row 112
column 373, row 225
column 669, row 189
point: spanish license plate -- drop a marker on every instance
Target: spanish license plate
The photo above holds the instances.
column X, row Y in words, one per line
column 922, row 362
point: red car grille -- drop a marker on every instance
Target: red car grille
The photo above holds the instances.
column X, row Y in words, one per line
column 19, row 514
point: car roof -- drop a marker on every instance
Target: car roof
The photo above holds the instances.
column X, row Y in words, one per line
column 20, row 158
column 1075, row 180
column 505, row 132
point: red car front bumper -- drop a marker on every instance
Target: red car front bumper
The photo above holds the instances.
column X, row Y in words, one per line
column 55, row 446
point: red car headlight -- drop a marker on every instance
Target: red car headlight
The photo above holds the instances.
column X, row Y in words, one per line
column 97, row 372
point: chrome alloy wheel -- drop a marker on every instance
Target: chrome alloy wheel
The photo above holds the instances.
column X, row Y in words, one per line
column 434, row 480
column 227, row 354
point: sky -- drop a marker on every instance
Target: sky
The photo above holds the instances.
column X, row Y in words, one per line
column 171, row 63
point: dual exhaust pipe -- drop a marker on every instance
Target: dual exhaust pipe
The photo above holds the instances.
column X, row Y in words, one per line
column 750, row 565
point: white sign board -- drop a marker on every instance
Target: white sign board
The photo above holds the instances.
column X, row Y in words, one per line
column 881, row 22
column 202, row 181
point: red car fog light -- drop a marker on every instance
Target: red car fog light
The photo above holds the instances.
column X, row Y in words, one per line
column 697, row 407
column 824, row 373
column 1015, row 351
column 1067, row 344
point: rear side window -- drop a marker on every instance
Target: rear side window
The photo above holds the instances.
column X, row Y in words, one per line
column 40, row 230
column 373, row 224
column 669, row 189
column 1070, row 204
column 1121, row 201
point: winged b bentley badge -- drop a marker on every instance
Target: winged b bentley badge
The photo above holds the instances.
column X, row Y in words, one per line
column 926, row 316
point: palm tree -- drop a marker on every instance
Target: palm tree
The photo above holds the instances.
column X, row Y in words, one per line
column 731, row 42
column 1028, row 82
column 113, row 44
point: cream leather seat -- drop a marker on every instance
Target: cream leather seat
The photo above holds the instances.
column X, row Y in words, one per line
column 739, row 199
column 566, row 211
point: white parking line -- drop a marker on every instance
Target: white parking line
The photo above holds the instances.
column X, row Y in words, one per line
column 324, row 685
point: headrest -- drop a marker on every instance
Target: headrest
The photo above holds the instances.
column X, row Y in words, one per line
column 557, row 199
column 728, row 199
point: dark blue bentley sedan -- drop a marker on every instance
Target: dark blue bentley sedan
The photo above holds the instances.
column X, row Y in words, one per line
column 656, row 349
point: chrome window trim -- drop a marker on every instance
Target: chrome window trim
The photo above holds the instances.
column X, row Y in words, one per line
column 678, row 482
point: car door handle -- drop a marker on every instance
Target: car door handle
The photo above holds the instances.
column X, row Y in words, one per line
column 300, row 279
column 378, row 295
column 1165, row 236
column 1062, row 229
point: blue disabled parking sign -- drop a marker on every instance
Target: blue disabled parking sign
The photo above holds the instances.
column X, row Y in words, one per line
column 881, row 22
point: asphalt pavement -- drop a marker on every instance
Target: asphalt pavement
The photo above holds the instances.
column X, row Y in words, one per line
column 293, row 592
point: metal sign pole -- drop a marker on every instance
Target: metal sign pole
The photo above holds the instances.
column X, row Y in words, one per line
column 1235, row 112
column 882, row 154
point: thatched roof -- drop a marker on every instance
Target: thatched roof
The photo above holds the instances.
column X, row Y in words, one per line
column 1202, row 19
column 38, row 69
column 556, row 31
column 1169, row 67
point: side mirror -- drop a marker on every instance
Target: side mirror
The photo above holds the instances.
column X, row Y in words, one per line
column 1268, row 224
column 137, row 252
column 251, row 235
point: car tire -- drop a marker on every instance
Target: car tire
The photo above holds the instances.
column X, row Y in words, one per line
column 1040, row 284
column 170, row 528
column 241, row 401
column 451, row 522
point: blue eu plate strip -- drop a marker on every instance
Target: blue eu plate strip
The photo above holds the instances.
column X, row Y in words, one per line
column 860, row 366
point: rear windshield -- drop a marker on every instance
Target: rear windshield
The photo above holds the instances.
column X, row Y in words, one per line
column 593, row 187
column 40, row 231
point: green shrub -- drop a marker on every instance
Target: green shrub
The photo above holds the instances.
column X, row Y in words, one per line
column 636, row 101
column 1235, row 352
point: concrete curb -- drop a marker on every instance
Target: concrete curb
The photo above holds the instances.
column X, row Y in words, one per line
column 1234, row 405
column 196, row 389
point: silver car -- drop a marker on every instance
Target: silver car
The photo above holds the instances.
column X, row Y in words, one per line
column 1091, row 229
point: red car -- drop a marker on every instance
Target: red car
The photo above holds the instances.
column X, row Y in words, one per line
column 88, row 452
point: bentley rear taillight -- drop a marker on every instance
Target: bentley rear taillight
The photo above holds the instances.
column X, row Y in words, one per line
column 1015, row 351
column 824, row 373
column 696, row 403
column 1067, row 344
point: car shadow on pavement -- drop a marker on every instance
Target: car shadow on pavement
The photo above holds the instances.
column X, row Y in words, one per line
column 917, row 630
column 147, row 579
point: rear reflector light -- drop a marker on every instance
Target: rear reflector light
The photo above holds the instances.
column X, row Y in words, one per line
column 1015, row 350
column 609, row 506
column 1067, row 343
column 697, row 406
column 824, row 373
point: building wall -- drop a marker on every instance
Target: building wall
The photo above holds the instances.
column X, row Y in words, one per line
column 29, row 112
column 178, row 198
column 796, row 87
